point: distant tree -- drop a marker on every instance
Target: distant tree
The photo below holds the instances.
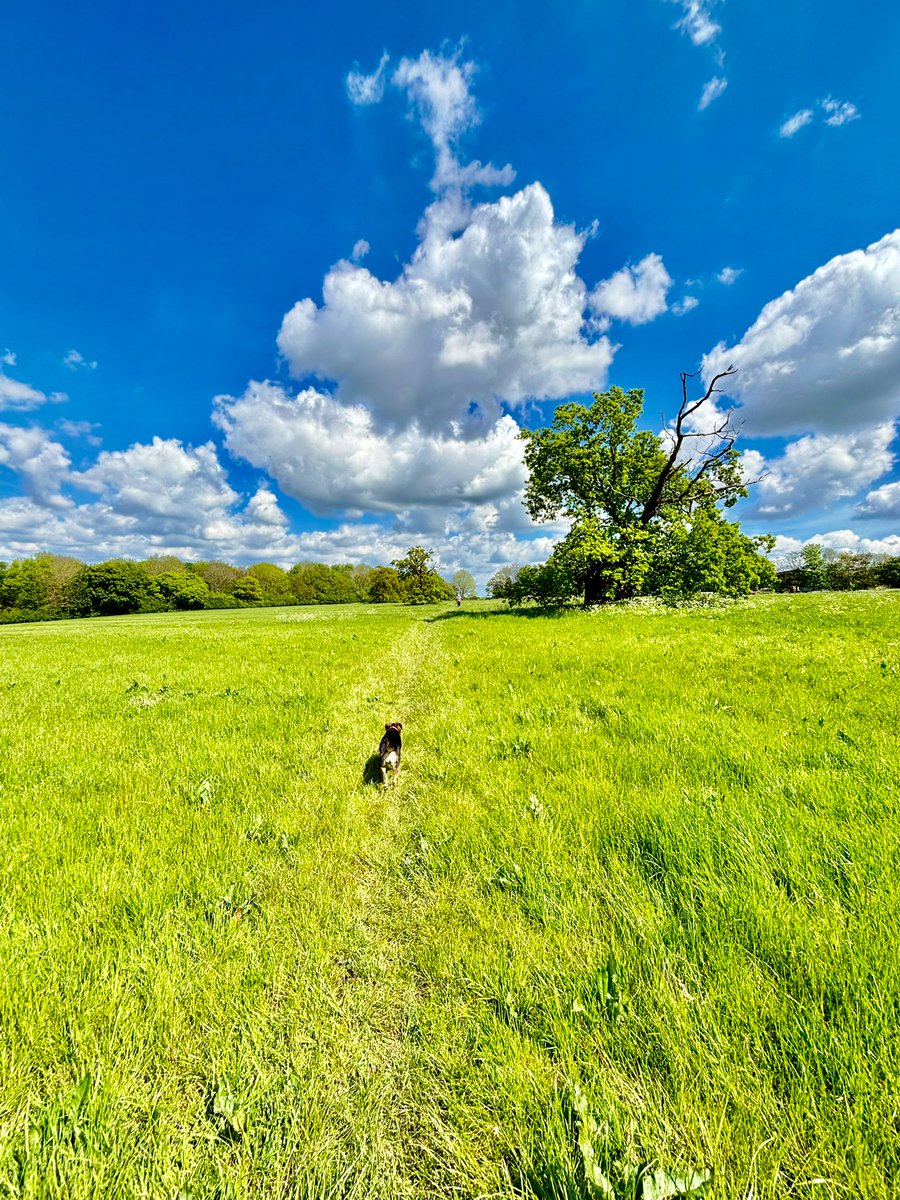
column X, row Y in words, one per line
column 499, row 583
column 61, row 571
column 110, row 588
column 887, row 572
column 218, row 576
column 421, row 583
column 549, row 585
column 164, row 564
column 25, row 584
column 182, row 590
column 274, row 581
column 628, row 493
column 383, row 586
column 846, row 572
column 813, row 567
column 248, row 590
column 344, row 589
column 463, row 582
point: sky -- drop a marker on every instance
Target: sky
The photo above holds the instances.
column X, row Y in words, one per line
column 282, row 283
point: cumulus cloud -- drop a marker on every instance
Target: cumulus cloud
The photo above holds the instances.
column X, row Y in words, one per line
column 712, row 89
column 825, row 356
column 883, row 501
column 634, row 294
column 75, row 360
column 21, row 397
column 839, row 111
column 492, row 312
column 795, row 123
column 728, row 275
column 367, row 89
column 685, row 305
column 841, row 540
column 816, row 470
column 41, row 463
column 334, row 456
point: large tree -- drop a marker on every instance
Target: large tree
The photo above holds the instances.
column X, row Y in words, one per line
column 633, row 497
column 421, row 583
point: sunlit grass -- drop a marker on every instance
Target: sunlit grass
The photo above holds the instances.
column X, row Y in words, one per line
column 651, row 856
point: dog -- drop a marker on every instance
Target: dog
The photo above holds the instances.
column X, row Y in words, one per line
column 389, row 752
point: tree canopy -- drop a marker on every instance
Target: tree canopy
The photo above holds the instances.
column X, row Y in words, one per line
column 645, row 509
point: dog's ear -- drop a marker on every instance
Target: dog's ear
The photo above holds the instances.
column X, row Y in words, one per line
column 399, row 726
column 386, row 728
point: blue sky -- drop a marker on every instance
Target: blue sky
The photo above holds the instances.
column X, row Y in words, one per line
column 282, row 284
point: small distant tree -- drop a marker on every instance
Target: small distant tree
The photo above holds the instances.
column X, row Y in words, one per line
column 248, row 590
column 25, row 585
column 276, row 587
column 383, row 586
column 499, row 583
column 421, row 583
column 464, row 584
column 887, row 572
column 182, row 590
column 813, row 567
column 111, row 588
column 846, row 572
column 163, row 564
column 218, row 576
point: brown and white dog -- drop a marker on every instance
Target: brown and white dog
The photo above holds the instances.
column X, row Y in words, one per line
column 389, row 752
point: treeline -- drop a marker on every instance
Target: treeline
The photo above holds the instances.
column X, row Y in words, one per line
column 816, row 568
column 53, row 586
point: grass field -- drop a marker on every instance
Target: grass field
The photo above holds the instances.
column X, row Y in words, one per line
column 635, row 901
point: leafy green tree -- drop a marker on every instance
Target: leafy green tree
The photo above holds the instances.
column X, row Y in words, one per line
column 218, row 576
column 627, row 491
column 463, row 583
column 164, row 564
column 498, row 585
column 61, row 571
column 182, row 590
column 887, row 572
column 248, row 590
column 813, row 567
column 274, row 581
column 25, row 584
column 383, row 586
column 112, row 587
column 549, row 585
column 846, row 572
column 711, row 555
column 421, row 583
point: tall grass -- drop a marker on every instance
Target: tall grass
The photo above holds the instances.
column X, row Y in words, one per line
column 634, row 902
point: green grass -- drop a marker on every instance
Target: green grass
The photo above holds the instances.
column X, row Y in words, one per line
column 640, row 863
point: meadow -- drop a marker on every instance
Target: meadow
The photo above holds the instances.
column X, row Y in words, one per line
column 632, row 915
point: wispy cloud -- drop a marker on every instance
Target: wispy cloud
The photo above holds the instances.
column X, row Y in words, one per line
column 75, row 360
column 8, row 358
column 729, row 274
column 697, row 21
column 360, row 250
column 795, row 123
column 839, row 111
column 367, row 89
column 684, row 305
column 711, row 91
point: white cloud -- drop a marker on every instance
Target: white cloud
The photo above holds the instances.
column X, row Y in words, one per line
column 839, row 111
column 367, row 89
column 80, row 429
column 331, row 456
column 488, row 310
column 883, row 501
column 824, row 357
column 685, row 305
column 41, row 464
column 816, row 470
column 8, row 358
column 795, row 123
column 74, row 359
column 712, row 89
column 697, row 21
column 438, row 89
column 634, row 294
column 360, row 250
column 21, row 397
column 728, row 275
